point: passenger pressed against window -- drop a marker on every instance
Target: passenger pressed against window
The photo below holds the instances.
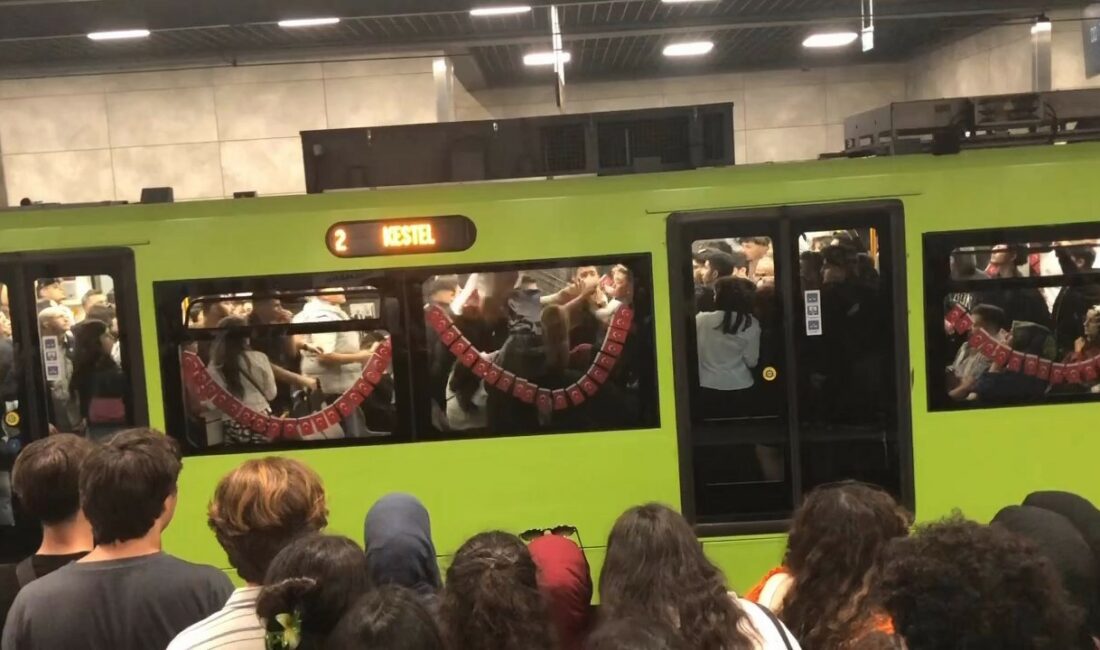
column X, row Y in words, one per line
column 1022, row 322
column 81, row 356
column 270, row 373
column 543, row 349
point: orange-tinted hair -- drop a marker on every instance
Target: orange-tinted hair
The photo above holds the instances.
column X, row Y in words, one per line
column 262, row 506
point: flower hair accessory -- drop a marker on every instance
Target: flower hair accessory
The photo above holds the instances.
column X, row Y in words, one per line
column 290, row 636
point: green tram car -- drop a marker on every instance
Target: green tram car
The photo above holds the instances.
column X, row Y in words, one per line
column 872, row 280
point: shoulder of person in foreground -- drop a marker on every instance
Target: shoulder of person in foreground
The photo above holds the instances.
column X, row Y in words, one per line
column 201, row 576
column 39, row 598
column 768, row 632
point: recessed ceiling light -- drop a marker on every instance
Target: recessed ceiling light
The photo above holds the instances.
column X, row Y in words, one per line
column 831, row 39
column 119, row 34
column 697, row 48
column 500, row 11
column 544, row 58
column 309, row 22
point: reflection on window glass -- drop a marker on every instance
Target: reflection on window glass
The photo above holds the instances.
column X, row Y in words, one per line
column 78, row 331
column 534, row 350
column 1022, row 322
column 290, row 367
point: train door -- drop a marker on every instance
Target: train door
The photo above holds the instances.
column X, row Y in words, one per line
column 791, row 358
column 70, row 361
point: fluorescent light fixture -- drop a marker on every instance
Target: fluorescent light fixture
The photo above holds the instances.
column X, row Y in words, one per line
column 1041, row 26
column 544, row 58
column 1061, row 143
column 831, row 39
column 119, row 34
column 506, row 10
column 309, row 22
column 696, row 48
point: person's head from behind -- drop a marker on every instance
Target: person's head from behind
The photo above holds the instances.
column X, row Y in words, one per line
column 737, row 298
column 262, row 506
column 51, row 289
column 93, row 342
column 1030, row 338
column 990, row 319
column 227, row 353
column 212, row 312
column 963, row 266
column 959, row 584
column 566, row 584
column 104, row 313
column 397, row 534
column 492, row 599
column 387, row 618
column 333, row 296
column 755, row 247
column 442, row 290
column 1084, row 257
column 717, row 264
column 91, row 298
column 1062, row 543
column 46, row 477
column 53, row 321
column 314, row 580
column 834, row 551
column 655, row 569
column 836, row 268
column 128, row 486
column 636, row 634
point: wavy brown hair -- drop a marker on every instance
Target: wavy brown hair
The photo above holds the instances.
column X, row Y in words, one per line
column 262, row 506
column 491, row 600
column 834, row 551
column 655, row 569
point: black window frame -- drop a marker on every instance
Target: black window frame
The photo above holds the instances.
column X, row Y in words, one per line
column 789, row 221
column 413, row 423
column 938, row 249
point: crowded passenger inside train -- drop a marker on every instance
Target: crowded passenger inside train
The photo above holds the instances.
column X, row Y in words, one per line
column 855, row 575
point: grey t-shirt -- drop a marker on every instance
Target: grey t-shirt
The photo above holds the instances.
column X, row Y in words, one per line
column 132, row 604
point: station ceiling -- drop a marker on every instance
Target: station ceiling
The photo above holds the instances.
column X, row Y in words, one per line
column 606, row 38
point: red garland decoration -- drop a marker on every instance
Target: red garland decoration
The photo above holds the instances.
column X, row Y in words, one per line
column 1082, row 372
column 546, row 400
column 198, row 380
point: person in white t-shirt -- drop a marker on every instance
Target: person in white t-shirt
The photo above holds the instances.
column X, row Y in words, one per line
column 655, row 568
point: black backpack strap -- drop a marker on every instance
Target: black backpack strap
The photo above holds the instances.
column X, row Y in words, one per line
column 24, row 572
column 778, row 626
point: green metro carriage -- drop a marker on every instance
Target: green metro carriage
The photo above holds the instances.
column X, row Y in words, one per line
column 859, row 389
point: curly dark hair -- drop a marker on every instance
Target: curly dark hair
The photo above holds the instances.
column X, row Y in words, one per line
column 491, row 600
column 655, row 568
column 959, row 584
column 834, row 549
column 635, row 634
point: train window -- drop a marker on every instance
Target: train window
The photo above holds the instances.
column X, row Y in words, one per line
column 79, row 339
column 1013, row 316
column 789, row 345
column 541, row 348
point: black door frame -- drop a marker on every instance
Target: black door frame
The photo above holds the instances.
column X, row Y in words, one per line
column 24, row 269
column 790, row 220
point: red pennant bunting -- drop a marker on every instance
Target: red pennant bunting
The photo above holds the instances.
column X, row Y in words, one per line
column 377, row 364
column 954, row 314
column 589, row 386
column 964, row 324
column 320, row 422
column 459, row 346
column 355, row 397
column 345, row 406
column 274, row 429
column 363, row 387
column 604, row 361
column 259, row 424
column 989, row 349
column 469, row 357
column 209, row 390
column 245, row 416
column 492, row 375
column 978, row 339
column 561, row 402
column 504, row 384
column 1057, row 374
column 1000, row 356
column 450, row 336
column 332, row 416
column 524, row 391
column 617, row 335
column 373, row 377
column 598, row 374
column 385, row 351
column 481, row 368
column 1031, row 365
column 1074, row 373
column 576, row 395
column 291, row 430
column 544, row 401
column 305, row 426
column 1016, row 362
column 623, row 318
column 612, row 348
column 1089, row 371
column 437, row 320
column 1045, row 369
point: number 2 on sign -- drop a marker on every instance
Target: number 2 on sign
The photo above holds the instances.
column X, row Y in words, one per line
column 341, row 240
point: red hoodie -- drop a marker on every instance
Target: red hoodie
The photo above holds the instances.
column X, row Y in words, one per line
column 566, row 583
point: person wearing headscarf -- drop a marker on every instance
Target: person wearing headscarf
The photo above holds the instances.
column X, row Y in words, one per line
column 1059, row 540
column 566, row 583
column 398, row 537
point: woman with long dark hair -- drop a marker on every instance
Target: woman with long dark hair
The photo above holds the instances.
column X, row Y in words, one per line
column 246, row 374
column 655, row 569
column 728, row 345
column 98, row 383
column 491, row 600
column 833, row 555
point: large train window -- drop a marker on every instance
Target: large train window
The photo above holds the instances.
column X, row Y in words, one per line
column 1013, row 316
column 791, row 353
column 407, row 355
column 535, row 348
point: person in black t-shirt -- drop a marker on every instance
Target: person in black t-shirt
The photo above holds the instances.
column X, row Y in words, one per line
column 46, row 480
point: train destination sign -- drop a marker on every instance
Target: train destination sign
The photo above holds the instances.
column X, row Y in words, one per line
column 401, row 236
